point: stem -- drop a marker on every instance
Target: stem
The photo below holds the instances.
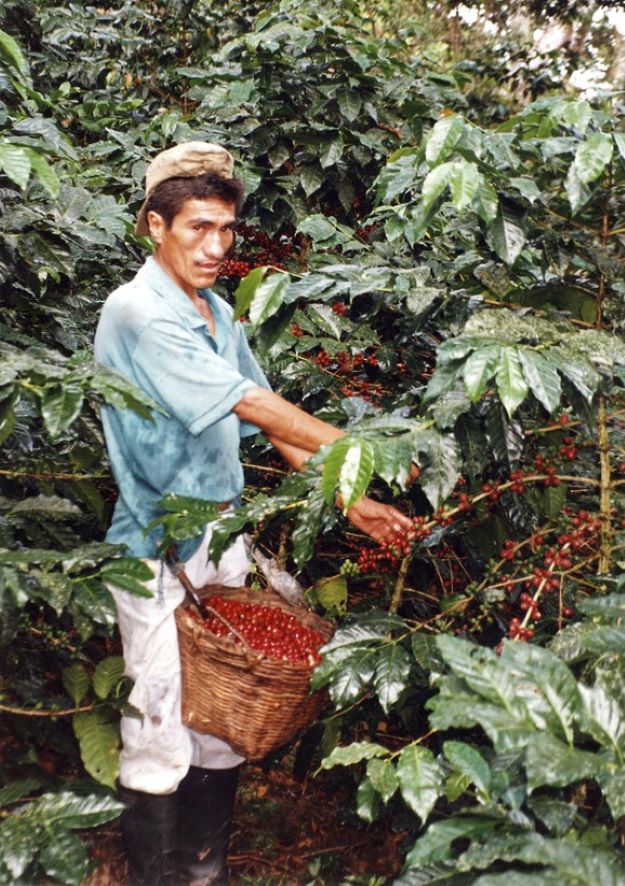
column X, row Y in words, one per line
column 401, row 582
column 30, row 712
column 51, row 475
column 604, row 439
column 605, row 557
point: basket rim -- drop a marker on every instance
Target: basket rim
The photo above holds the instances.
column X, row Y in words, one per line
column 206, row 641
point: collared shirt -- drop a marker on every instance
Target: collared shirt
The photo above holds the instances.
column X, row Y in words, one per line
column 150, row 331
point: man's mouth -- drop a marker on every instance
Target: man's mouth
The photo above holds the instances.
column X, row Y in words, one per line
column 209, row 268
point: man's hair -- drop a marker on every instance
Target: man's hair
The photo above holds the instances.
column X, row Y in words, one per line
column 169, row 196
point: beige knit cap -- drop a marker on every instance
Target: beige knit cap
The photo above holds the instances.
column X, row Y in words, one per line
column 188, row 159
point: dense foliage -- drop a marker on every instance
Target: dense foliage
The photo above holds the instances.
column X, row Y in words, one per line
column 439, row 276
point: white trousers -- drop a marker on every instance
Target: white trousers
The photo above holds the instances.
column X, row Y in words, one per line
column 157, row 748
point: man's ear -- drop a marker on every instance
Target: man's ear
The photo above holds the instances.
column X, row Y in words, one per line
column 156, row 224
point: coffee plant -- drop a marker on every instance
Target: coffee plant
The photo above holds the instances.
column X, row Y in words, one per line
column 440, row 278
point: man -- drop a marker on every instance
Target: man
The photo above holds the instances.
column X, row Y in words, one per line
column 175, row 338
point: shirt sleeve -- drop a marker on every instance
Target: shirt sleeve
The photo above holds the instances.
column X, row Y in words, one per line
column 186, row 376
column 248, row 365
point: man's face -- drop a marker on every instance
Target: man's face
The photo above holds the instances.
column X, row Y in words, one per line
column 192, row 250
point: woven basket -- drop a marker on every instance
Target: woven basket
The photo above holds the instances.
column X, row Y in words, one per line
column 254, row 703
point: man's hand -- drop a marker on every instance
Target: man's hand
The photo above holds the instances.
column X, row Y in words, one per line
column 381, row 522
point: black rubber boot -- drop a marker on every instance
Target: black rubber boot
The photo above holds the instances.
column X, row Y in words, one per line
column 205, row 806
column 148, row 834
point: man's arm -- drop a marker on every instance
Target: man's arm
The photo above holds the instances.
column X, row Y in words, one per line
column 297, row 435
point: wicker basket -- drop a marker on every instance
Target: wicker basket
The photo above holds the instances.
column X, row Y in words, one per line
column 254, row 703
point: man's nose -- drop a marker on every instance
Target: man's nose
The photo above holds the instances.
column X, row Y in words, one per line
column 213, row 245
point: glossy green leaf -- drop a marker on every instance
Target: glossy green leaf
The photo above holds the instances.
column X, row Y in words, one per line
column 64, row 857
column 435, row 183
column 367, row 800
column 383, row 777
column 15, row 163
column 60, row 406
column 435, row 844
column 469, row 762
column 349, row 755
column 592, row 156
column 439, row 460
column 464, row 183
column 45, row 174
column 577, row 192
column 392, row 672
column 268, row 297
column 604, row 718
column 506, row 236
column 487, row 202
column 511, row 385
column 552, row 762
column 479, row 369
column 420, row 781
column 355, row 472
column 443, row 138
column 542, row 378
column 11, row 52
column 246, row 290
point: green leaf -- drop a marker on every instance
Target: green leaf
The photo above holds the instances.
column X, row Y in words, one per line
column 392, row 672
column 128, row 574
column 383, row 777
column 435, row 844
column 511, row 385
column 439, row 459
column 107, row 675
column 45, row 173
column 464, row 183
column 15, row 163
column 420, row 780
column 16, row 790
column 506, row 236
column 619, row 141
column 435, row 183
column 577, row 192
column 268, row 297
column 487, row 202
column 367, row 800
column 549, row 761
column 76, row 681
column 479, row 369
column 577, row 114
column 469, row 762
column 356, row 472
column 349, row 755
column 331, row 466
column 332, row 594
column 19, row 844
column 98, row 737
column 245, row 291
column 350, row 103
column 72, row 811
column 604, row 719
column 64, row 857
column 443, row 138
column 542, row 378
column 60, row 406
column 592, row 156
column 11, row 52
column 311, row 177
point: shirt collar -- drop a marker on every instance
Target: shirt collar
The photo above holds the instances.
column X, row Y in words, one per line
column 156, row 278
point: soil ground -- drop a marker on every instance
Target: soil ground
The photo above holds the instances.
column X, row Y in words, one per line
column 286, row 832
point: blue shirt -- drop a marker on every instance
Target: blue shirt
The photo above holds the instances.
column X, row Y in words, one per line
column 150, row 331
